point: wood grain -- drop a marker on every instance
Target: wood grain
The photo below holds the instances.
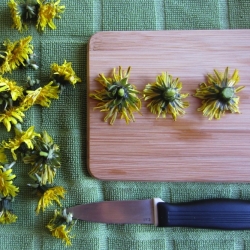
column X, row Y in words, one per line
column 190, row 149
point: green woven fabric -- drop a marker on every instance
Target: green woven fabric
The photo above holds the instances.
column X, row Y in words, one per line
column 67, row 118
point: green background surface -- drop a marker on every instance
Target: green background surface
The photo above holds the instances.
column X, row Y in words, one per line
column 67, row 118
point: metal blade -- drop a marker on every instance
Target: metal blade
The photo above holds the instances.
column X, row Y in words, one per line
column 121, row 212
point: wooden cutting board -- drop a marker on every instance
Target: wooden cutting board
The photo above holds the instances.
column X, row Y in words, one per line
column 191, row 148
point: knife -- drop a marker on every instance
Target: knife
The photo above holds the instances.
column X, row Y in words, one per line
column 233, row 214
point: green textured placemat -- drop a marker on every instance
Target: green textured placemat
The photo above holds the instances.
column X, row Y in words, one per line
column 66, row 122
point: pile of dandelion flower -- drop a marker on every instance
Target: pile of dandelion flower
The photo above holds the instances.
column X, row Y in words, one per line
column 15, row 100
column 218, row 94
column 165, row 96
column 37, row 150
column 118, row 97
column 43, row 155
column 17, row 54
column 40, row 12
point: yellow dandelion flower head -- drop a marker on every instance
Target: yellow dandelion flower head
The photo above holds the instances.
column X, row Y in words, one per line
column 13, row 115
column 165, row 96
column 41, row 96
column 60, row 226
column 218, row 94
column 16, row 15
column 10, row 86
column 64, row 74
column 117, row 97
column 17, row 53
column 47, row 12
column 50, row 195
column 7, row 217
column 6, row 182
column 45, row 159
column 22, row 137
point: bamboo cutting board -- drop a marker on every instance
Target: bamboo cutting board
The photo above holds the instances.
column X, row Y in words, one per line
column 191, row 148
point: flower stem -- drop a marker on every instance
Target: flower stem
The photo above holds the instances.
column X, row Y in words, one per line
column 169, row 94
column 121, row 92
column 227, row 93
column 42, row 153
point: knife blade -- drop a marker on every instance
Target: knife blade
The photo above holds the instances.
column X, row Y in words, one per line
column 233, row 214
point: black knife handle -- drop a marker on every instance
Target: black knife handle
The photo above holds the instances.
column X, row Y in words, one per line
column 230, row 214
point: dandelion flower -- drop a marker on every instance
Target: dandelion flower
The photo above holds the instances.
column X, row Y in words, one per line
column 21, row 139
column 64, row 74
column 48, row 91
column 16, row 16
column 48, row 195
column 6, row 215
column 117, row 97
column 12, row 115
column 218, row 95
column 18, row 9
column 41, row 96
column 47, row 12
column 17, row 53
column 165, row 96
column 45, row 158
column 6, row 182
column 61, row 225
